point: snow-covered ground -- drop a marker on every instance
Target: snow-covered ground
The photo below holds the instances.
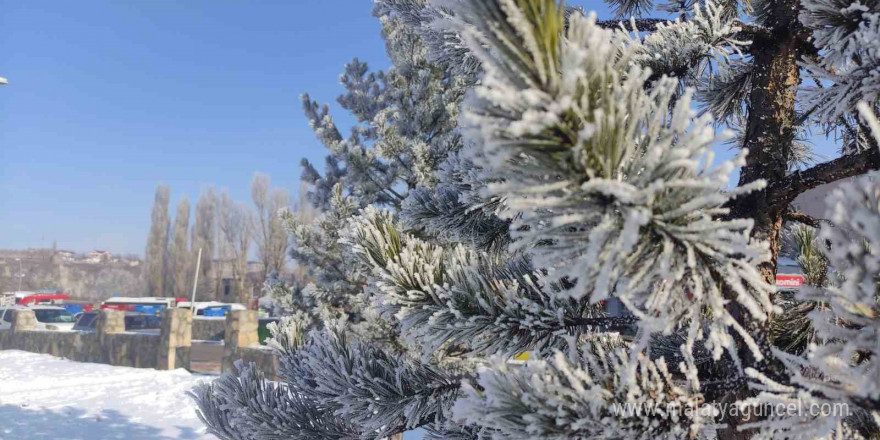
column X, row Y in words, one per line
column 43, row 397
column 47, row 398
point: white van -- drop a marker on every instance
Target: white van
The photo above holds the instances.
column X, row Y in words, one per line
column 204, row 308
column 48, row 317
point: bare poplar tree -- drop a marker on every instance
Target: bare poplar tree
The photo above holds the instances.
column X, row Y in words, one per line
column 203, row 237
column 157, row 243
column 234, row 227
column 269, row 234
column 277, row 245
column 180, row 259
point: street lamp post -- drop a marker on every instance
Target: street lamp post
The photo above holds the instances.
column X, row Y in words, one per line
column 20, row 273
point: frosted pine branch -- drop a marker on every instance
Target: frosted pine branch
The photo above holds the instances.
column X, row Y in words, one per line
column 687, row 48
column 616, row 188
column 246, row 406
column 454, row 209
column 466, row 298
column 589, row 397
column 725, row 94
column 848, row 34
column 379, row 392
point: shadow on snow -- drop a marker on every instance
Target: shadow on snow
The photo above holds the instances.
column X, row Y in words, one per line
column 68, row 423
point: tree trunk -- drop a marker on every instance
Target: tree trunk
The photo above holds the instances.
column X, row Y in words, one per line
column 770, row 128
column 769, row 135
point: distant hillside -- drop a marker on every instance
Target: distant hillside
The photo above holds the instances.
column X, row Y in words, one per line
column 93, row 276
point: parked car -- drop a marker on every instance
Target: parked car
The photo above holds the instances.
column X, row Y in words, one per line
column 6, row 317
column 213, row 309
column 77, row 307
column 48, row 317
column 134, row 322
column 153, row 305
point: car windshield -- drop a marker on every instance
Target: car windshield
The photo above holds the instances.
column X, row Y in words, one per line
column 87, row 320
column 142, row 322
column 54, row 315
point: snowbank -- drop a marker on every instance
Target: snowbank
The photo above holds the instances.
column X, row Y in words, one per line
column 43, row 397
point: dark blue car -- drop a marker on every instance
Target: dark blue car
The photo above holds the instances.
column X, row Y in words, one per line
column 134, row 322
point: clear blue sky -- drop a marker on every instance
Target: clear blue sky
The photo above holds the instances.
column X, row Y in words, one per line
column 106, row 99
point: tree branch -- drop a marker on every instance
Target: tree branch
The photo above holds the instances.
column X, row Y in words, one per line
column 606, row 324
column 747, row 31
column 753, row 32
column 783, row 191
column 642, row 24
column 802, row 217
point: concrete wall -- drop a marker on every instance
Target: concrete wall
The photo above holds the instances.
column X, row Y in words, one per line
column 208, row 329
column 242, row 342
column 110, row 344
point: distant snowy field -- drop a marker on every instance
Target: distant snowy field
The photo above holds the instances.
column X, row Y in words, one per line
column 43, row 397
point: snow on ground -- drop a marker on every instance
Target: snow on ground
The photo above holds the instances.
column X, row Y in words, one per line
column 43, row 397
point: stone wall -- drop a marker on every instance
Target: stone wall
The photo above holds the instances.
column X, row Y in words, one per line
column 264, row 357
column 242, row 342
column 110, row 344
column 175, row 339
column 208, row 329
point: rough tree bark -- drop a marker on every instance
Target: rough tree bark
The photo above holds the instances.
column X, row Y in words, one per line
column 769, row 134
column 770, row 126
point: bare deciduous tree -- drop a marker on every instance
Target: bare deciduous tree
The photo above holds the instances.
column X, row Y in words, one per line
column 234, row 228
column 269, row 234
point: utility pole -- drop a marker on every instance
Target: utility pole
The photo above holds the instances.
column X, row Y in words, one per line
column 20, row 270
column 192, row 304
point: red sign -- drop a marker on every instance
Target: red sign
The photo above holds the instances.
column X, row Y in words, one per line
column 789, row 281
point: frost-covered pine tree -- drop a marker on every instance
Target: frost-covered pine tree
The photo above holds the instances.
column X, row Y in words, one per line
column 585, row 175
column 406, row 129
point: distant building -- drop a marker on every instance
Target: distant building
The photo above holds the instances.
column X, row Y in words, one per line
column 98, row 256
column 255, row 266
column 65, row 255
column 227, row 288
